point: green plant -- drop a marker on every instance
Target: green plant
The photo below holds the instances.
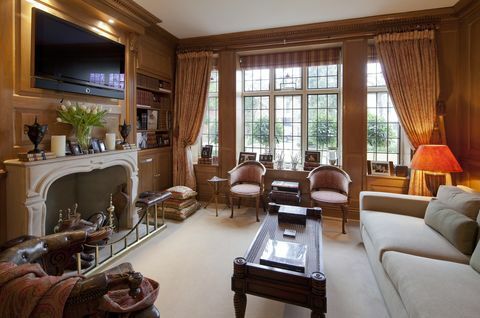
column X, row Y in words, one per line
column 82, row 118
column 377, row 135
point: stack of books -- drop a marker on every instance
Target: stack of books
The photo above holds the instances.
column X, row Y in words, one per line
column 27, row 157
column 285, row 255
column 267, row 164
column 205, row 161
column 308, row 166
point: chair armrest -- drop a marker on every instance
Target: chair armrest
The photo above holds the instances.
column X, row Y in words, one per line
column 410, row 205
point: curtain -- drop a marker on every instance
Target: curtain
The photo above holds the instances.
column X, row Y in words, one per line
column 292, row 59
column 410, row 66
column 191, row 89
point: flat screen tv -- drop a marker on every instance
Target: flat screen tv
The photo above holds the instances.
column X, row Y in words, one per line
column 70, row 58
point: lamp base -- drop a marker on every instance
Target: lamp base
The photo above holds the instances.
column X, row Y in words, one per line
column 434, row 181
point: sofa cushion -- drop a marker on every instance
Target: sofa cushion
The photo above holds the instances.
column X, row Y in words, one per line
column 401, row 233
column 475, row 260
column 465, row 202
column 457, row 228
column 434, row 288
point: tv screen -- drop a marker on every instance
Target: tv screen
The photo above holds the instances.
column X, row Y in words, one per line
column 71, row 58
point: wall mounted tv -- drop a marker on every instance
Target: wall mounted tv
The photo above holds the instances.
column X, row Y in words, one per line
column 72, row 59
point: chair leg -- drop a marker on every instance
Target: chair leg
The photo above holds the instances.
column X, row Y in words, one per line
column 231, row 205
column 256, row 205
column 344, row 217
column 239, row 199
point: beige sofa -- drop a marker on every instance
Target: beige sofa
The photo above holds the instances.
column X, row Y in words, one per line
column 419, row 272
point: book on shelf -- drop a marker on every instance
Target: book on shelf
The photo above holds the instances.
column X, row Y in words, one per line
column 285, row 255
column 27, row 157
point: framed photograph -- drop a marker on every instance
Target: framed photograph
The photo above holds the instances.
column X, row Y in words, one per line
column 245, row 156
column 380, row 168
column 75, row 148
column 312, row 156
column 266, row 158
column 152, row 121
column 101, row 145
column 94, row 145
column 68, row 152
column 207, row 151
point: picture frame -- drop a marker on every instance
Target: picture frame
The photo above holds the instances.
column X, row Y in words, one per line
column 75, row 148
column 381, row 168
column 207, row 151
column 312, row 156
column 101, row 145
column 68, row 152
column 94, row 145
column 246, row 156
column 266, row 158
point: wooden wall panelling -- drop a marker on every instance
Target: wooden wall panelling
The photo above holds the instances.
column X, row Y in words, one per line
column 227, row 116
column 470, row 96
column 448, row 44
column 354, row 112
column 163, row 169
column 154, row 58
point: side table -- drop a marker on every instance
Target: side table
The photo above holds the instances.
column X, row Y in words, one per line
column 216, row 184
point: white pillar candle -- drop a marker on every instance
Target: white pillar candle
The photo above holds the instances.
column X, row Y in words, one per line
column 110, row 141
column 58, row 145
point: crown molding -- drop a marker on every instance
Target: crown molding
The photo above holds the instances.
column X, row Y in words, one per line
column 319, row 32
column 132, row 10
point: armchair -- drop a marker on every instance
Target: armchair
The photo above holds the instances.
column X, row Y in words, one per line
column 99, row 295
column 246, row 181
column 330, row 186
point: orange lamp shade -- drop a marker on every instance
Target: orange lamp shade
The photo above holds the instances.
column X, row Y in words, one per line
column 435, row 158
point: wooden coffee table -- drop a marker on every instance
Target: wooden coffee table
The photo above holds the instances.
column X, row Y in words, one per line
column 302, row 289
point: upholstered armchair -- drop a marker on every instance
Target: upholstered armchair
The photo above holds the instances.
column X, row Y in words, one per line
column 330, row 186
column 246, row 181
column 86, row 296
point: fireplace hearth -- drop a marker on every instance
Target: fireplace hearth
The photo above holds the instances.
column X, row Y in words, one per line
column 29, row 185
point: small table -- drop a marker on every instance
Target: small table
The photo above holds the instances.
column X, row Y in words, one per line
column 215, row 183
column 306, row 289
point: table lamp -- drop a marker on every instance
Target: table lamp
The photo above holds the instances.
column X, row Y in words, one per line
column 435, row 160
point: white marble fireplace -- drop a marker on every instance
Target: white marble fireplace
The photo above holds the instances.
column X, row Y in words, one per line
column 28, row 184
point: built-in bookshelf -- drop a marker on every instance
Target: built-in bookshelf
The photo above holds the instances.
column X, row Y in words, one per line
column 153, row 110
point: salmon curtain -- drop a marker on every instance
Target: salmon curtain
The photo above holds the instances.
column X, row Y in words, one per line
column 191, row 89
column 410, row 65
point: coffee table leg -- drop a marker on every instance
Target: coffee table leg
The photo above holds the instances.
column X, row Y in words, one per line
column 319, row 300
column 239, row 286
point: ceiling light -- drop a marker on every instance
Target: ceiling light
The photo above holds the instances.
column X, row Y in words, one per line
column 111, row 21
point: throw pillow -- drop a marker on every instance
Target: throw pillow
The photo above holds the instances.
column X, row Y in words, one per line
column 182, row 192
column 465, row 202
column 458, row 229
column 475, row 259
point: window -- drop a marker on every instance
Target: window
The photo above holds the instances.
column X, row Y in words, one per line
column 209, row 134
column 288, row 110
column 383, row 127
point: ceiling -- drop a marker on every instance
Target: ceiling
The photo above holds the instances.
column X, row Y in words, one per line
column 193, row 18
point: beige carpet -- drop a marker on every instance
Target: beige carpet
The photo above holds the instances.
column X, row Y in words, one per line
column 192, row 260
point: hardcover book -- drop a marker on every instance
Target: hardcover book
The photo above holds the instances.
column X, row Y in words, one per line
column 286, row 255
column 292, row 214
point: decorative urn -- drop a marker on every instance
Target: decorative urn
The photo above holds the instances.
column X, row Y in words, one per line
column 124, row 131
column 35, row 133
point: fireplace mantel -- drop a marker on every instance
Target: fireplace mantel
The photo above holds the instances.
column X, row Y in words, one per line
column 28, row 184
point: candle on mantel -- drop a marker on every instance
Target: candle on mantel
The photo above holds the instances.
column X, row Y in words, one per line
column 58, row 145
column 110, row 141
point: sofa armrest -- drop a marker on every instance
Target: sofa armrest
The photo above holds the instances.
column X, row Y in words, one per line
column 410, row 205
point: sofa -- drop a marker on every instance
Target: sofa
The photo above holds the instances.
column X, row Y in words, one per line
column 424, row 251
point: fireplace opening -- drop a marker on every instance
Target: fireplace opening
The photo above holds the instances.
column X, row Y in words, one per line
column 90, row 190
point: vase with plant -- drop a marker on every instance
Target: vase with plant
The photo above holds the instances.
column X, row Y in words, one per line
column 295, row 158
column 83, row 118
column 280, row 158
